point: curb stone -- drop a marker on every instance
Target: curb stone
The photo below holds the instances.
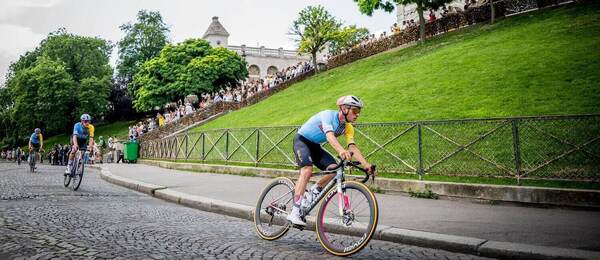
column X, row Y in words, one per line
column 461, row 244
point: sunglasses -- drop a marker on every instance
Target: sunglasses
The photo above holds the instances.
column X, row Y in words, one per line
column 85, row 121
column 355, row 110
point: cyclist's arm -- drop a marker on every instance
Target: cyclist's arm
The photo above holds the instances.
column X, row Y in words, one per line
column 349, row 132
column 359, row 157
column 91, row 136
column 74, row 140
column 336, row 145
column 327, row 127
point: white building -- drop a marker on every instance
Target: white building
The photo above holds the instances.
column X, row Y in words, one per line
column 261, row 61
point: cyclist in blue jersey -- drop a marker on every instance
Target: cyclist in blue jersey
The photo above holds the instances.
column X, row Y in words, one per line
column 323, row 127
column 83, row 134
column 36, row 142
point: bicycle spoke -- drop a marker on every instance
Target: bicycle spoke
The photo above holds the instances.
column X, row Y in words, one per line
column 272, row 209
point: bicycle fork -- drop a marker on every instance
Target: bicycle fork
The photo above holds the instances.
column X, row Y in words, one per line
column 343, row 201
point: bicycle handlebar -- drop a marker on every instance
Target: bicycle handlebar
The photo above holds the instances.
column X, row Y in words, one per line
column 357, row 166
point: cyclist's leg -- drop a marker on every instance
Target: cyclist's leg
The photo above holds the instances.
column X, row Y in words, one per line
column 72, row 155
column 36, row 148
column 304, row 161
column 325, row 161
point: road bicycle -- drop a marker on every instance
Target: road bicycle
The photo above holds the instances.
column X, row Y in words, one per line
column 346, row 218
column 31, row 160
column 76, row 175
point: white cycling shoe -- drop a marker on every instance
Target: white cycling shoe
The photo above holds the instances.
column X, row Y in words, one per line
column 295, row 218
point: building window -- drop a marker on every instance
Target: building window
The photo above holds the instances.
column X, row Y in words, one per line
column 218, row 42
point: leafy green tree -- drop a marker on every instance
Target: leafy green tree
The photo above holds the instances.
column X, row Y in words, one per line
column 41, row 96
column 314, row 29
column 190, row 67
column 368, row 6
column 48, row 87
column 143, row 41
column 348, row 37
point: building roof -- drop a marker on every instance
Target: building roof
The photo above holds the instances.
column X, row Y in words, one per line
column 215, row 28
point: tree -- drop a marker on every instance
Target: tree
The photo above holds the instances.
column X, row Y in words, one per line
column 49, row 87
column 368, row 6
column 314, row 29
column 347, row 37
column 190, row 67
column 42, row 95
column 143, row 41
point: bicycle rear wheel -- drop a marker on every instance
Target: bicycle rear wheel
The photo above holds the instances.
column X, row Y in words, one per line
column 357, row 222
column 272, row 208
column 78, row 174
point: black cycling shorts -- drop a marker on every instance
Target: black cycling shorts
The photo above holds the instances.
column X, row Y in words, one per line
column 308, row 153
column 36, row 147
column 82, row 143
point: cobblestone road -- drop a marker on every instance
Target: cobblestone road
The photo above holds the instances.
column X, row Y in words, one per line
column 41, row 219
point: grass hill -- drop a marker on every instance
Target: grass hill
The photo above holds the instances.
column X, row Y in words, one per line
column 541, row 63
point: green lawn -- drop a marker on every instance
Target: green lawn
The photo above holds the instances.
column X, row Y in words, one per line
column 541, row 63
column 119, row 129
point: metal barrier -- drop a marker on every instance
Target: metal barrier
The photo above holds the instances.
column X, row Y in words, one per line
column 550, row 147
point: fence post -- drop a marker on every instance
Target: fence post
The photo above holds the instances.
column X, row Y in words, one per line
column 186, row 145
column 257, row 146
column 227, row 145
column 203, row 148
column 517, row 149
column 420, row 143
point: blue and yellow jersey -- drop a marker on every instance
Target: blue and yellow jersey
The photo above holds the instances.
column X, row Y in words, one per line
column 36, row 138
column 316, row 128
column 83, row 132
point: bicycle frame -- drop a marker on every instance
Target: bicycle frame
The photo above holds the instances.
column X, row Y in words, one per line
column 337, row 180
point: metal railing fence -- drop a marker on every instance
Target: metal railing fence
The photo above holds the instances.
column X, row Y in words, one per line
column 550, row 147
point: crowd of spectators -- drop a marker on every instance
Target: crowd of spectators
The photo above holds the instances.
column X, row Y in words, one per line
column 13, row 154
column 177, row 110
column 447, row 18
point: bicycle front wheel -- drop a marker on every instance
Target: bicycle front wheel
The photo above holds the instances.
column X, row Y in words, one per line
column 78, row 175
column 67, row 180
column 272, row 208
column 32, row 162
column 357, row 220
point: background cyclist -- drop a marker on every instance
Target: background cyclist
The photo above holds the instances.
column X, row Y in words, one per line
column 36, row 143
column 323, row 127
column 83, row 134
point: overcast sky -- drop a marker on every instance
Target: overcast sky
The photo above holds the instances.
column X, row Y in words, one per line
column 24, row 23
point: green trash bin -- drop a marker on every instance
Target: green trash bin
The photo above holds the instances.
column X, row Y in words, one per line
column 130, row 151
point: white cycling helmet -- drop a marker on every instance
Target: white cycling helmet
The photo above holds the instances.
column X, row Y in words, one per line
column 86, row 117
column 350, row 100
column 37, row 130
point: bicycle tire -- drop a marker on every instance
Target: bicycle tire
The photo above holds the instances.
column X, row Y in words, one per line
column 78, row 175
column 265, row 215
column 32, row 162
column 350, row 229
column 67, row 180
